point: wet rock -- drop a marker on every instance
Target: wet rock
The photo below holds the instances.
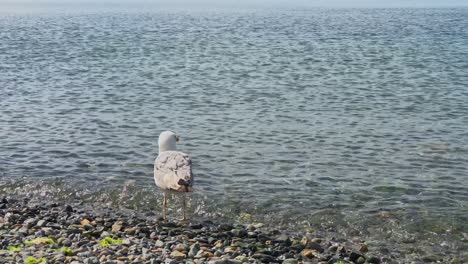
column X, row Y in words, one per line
column 336, row 260
column 332, row 248
column 289, row 261
column 363, row 248
column 258, row 225
column 225, row 227
column 263, row 257
column 195, row 226
column 194, row 250
column 374, row 260
column 69, row 209
column 341, row 249
column 455, row 261
column 251, row 234
column 239, row 232
column 315, row 246
column 360, row 260
column 354, row 256
column 431, row 258
column 465, row 237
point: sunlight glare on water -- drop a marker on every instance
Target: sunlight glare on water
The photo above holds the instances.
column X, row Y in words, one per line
column 300, row 114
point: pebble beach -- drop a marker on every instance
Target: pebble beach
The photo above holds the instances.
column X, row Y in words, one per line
column 61, row 233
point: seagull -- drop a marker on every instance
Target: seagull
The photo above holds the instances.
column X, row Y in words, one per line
column 172, row 169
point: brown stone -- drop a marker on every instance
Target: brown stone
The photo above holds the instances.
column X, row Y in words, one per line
column 117, row 226
column 177, row 255
column 364, row 248
column 309, row 253
column 207, row 254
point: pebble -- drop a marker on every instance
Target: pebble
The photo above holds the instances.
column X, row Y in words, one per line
column 136, row 240
column 360, row 260
column 68, row 209
column 41, row 223
column 263, row 257
column 194, row 250
column 159, row 244
column 314, row 246
column 242, row 259
column 225, row 261
column 354, row 256
column 374, row 260
column 92, row 260
column 363, row 248
column 177, row 255
column 309, row 253
column 30, row 222
column 117, row 226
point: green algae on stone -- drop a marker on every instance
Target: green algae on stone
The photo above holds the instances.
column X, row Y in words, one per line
column 246, row 218
column 14, row 249
column 66, row 250
column 107, row 241
column 33, row 260
column 40, row 240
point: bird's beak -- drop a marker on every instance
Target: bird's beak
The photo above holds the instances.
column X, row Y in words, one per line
column 177, row 139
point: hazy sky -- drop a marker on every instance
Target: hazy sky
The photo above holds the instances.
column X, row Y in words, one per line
column 260, row 3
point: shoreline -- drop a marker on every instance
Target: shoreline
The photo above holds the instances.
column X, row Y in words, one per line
column 49, row 232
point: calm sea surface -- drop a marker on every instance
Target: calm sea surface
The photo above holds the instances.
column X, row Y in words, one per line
column 352, row 118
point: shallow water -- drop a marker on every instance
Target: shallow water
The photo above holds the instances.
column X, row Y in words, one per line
column 301, row 116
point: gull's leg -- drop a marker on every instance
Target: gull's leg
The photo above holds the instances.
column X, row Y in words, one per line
column 164, row 205
column 183, row 207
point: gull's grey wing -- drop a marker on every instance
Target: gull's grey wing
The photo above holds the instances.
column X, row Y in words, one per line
column 173, row 171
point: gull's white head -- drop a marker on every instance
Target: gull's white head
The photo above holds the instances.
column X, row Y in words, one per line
column 167, row 141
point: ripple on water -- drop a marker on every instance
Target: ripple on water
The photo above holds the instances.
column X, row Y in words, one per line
column 326, row 116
